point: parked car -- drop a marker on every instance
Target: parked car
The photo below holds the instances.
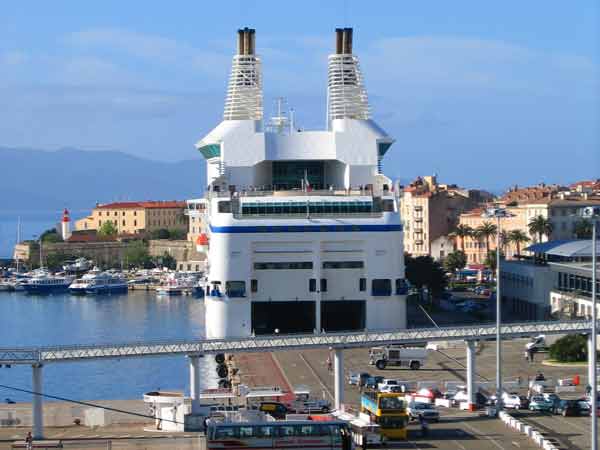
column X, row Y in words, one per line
column 462, row 396
column 373, row 382
column 275, row 409
column 309, row 406
column 425, row 410
column 429, row 393
column 358, row 378
column 539, row 403
column 552, row 397
column 386, row 383
column 571, row 408
column 514, row 401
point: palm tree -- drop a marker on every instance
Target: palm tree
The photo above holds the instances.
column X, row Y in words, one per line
column 540, row 226
column 518, row 237
column 462, row 231
column 485, row 231
column 504, row 240
column 583, row 229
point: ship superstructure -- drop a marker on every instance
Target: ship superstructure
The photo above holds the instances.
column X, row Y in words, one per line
column 303, row 229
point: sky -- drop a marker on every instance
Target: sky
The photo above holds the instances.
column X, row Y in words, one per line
column 483, row 94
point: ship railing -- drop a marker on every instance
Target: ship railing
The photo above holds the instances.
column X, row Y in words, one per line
column 298, row 193
column 333, row 215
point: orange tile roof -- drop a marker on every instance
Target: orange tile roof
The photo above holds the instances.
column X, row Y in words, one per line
column 144, row 204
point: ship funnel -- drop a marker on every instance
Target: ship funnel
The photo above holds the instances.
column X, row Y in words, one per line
column 347, row 96
column 244, row 92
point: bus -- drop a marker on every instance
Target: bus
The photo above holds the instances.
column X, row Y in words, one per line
column 388, row 411
column 285, row 434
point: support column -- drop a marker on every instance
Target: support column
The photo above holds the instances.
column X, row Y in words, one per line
column 38, row 404
column 471, row 392
column 589, row 366
column 338, row 375
column 317, row 276
column 194, row 362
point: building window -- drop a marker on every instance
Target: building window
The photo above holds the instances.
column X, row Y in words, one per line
column 123, row 223
column 312, row 285
column 99, row 223
column 343, row 265
column 362, row 284
column 135, row 213
column 116, row 213
column 235, row 288
column 323, row 284
column 135, row 223
column 401, row 286
column 99, row 213
column 123, row 212
column 381, row 287
column 283, row 265
column 254, row 285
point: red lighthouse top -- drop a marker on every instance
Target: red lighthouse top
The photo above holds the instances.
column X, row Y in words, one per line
column 65, row 217
column 202, row 239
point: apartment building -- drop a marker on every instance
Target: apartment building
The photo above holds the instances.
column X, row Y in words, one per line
column 430, row 211
column 560, row 205
column 136, row 217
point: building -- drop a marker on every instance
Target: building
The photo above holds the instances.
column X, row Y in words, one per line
column 431, row 211
column 136, row 217
column 304, row 231
column 556, row 282
column 561, row 206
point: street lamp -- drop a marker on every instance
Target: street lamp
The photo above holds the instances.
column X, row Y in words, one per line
column 498, row 213
column 593, row 213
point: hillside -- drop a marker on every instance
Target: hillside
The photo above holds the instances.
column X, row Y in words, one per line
column 39, row 179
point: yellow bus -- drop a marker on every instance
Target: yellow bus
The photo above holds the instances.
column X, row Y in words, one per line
column 389, row 412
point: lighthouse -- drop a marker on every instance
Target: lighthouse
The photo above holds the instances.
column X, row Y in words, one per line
column 65, row 225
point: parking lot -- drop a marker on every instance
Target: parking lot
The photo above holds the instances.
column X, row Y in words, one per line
column 456, row 429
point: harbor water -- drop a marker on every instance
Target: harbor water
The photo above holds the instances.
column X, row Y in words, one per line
column 27, row 320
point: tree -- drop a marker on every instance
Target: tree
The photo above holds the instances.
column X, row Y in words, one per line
column 504, row 240
column 462, row 231
column 518, row 237
column 486, row 230
column 540, row 226
column 165, row 260
column 425, row 271
column 136, row 255
column 490, row 259
column 50, row 236
column 455, row 261
column 107, row 229
column 583, row 229
column 570, row 348
column 161, row 233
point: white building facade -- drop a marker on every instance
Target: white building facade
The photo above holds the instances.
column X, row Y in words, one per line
column 304, row 231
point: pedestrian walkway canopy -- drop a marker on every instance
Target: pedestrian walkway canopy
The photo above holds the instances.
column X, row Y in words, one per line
column 575, row 248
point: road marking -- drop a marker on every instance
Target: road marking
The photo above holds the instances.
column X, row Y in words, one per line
column 516, row 444
column 493, row 441
column 317, row 376
column 459, row 444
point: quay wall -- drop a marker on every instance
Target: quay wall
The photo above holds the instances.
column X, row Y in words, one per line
column 61, row 414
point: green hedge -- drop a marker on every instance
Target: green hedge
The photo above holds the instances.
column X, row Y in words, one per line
column 570, row 348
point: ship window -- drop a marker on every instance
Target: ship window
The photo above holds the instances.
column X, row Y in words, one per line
column 235, row 288
column 381, row 287
column 388, row 205
column 362, row 284
column 312, row 285
column 323, row 284
column 283, row 265
column 343, row 265
column 225, row 206
column 254, row 285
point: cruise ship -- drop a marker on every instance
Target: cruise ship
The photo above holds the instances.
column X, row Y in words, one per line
column 302, row 229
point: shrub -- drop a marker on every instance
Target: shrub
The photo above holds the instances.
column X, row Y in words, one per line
column 570, row 348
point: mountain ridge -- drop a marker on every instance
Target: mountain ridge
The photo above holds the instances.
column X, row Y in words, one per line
column 72, row 178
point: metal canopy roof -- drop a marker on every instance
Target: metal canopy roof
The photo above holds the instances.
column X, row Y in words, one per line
column 567, row 248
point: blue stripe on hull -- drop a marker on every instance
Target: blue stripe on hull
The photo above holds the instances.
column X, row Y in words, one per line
column 305, row 228
column 46, row 289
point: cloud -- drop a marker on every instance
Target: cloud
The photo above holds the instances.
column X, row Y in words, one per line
column 150, row 48
column 13, row 58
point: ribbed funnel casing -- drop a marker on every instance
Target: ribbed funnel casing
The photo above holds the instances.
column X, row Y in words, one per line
column 244, row 92
column 347, row 96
